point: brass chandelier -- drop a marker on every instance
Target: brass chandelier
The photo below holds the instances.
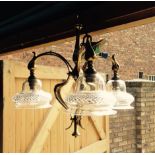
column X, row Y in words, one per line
column 90, row 95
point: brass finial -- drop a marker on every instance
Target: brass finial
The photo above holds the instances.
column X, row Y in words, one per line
column 115, row 68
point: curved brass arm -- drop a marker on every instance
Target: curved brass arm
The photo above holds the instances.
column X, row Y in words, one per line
column 32, row 61
column 57, row 92
column 57, row 89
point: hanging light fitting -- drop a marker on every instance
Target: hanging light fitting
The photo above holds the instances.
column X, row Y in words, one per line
column 90, row 95
column 117, row 87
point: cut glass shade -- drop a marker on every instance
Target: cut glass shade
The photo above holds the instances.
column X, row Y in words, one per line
column 118, row 89
column 89, row 97
column 32, row 98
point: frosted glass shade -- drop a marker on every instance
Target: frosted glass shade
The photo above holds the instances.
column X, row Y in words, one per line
column 118, row 89
column 89, row 97
column 32, row 98
column 123, row 100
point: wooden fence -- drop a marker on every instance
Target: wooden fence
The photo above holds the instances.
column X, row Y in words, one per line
column 43, row 130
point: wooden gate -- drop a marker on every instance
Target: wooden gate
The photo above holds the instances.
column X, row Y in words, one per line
column 43, row 130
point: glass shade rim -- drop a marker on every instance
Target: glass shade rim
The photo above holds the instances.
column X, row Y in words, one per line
column 91, row 113
column 32, row 99
column 119, row 107
column 33, row 106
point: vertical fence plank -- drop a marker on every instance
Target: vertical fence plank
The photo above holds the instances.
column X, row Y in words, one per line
column 66, row 133
column 20, row 122
column 46, row 87
column 60, row 126
column 8, row 112
column 106, row 129
column 83, row 132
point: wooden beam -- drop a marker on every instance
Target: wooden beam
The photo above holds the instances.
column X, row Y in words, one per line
column 43, row 34
column 97, row 147
column 99, row 129
column 43, row 132
column 125, row 26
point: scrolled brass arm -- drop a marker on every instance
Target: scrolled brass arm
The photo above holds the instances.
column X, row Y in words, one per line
column 57, row 89
column 32, row 61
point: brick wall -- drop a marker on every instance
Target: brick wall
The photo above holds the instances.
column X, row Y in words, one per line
column 123, row 131
column 134, row 130
column 134, row 50
column 145, row 115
